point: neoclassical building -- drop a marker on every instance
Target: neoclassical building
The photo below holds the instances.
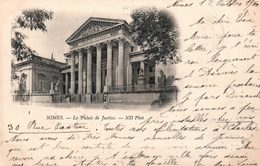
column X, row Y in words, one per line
column 104, row 64
column 32, row 78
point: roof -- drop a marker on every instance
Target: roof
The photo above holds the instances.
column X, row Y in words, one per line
column 39, row 59
column 111, row 22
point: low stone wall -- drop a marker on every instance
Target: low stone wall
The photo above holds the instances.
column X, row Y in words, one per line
column 133, row 97
column 151, row 97
column 47, row 98
column 41, row 98
column 163, row 96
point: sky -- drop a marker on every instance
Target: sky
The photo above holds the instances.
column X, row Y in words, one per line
column 66, row 21
column 68, row 16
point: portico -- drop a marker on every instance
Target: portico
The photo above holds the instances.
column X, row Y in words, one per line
column 103, row 59
column 99, row 49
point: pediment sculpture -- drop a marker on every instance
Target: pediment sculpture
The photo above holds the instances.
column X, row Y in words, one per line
column 92, row 29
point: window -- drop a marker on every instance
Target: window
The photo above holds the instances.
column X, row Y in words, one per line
column 23, row 82
column 40, row 85
column 41, row 80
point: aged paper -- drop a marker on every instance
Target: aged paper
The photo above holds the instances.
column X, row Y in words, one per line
column 215, row 120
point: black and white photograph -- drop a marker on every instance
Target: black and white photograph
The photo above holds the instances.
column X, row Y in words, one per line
column 107, row 60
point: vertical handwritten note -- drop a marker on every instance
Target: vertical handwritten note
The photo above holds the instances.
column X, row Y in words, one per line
column 214, row 122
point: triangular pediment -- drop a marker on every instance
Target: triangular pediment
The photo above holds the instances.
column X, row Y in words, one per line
column 94, row 25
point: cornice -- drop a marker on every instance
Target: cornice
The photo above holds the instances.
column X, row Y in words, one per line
column 98, row 19
column 116, row 27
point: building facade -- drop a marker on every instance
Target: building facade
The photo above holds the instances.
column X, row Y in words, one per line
column 103, row 65
column 103, row 60
column 34, row 78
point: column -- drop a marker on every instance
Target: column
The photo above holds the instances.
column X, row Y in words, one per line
column 129, row 77
column 66, row 83
column 129, row 65
column 120, row 62
column 80, row 72
column 114, row 75
column 129, row 82
column 72, row 71
column 84, row 66
column 98, row 70
column 109, row 64
column 89, row 71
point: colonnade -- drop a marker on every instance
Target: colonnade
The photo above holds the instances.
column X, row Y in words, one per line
column 123, row 55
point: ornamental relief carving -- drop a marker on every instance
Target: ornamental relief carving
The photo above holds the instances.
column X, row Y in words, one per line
column 92, row 28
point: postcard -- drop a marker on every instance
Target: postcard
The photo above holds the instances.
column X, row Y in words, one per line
column 130, row 83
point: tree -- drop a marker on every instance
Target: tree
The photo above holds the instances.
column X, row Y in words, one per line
column 156, row 33
column 32, row 19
